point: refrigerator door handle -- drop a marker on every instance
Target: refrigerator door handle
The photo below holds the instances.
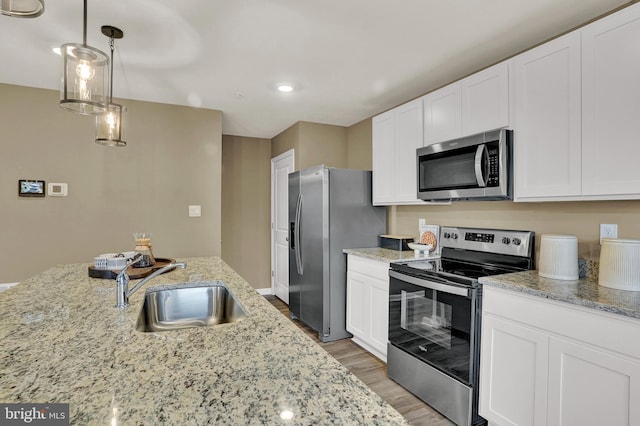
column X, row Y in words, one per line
column 296, row 235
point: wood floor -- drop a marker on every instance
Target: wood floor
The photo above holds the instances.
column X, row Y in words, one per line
column 373, row 373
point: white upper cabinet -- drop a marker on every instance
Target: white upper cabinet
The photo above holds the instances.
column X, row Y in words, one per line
column 383, row 152
column 442, row 114
column 485, row 100
column 576, row 117
column 472, row 105
column 547, row 120
column 396, row 136
column 611, row 105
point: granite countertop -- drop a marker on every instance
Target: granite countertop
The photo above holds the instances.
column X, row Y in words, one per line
column 384, row 255
column 63, row 341
column 583, row 292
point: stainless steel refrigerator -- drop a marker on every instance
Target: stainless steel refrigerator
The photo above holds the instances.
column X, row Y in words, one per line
column 329, row 210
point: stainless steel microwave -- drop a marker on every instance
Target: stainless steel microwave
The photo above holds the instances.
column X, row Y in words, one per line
column 477, row 167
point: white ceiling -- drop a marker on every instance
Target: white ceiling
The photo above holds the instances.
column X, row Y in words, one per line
column 349, row 59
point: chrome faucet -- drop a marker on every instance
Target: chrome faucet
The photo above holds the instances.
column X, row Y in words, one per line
column 122, row 280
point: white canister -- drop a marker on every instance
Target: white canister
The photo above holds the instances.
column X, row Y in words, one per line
column 558, row 257
column 620, row 264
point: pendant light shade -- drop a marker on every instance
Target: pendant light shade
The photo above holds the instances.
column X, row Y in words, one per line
column 84, row 76
column 22, row 8
column 109, row 125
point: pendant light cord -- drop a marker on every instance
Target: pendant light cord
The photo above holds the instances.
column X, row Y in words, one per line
column 112, row 46
column 84, row 28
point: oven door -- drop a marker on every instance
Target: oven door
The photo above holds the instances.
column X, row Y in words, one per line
column 433, row 320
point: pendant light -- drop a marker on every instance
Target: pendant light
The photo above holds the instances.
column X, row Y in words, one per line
column 22, row 8
column 85, row 76
column 109, row 124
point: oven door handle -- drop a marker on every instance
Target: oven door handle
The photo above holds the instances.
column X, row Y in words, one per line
column 444, row 288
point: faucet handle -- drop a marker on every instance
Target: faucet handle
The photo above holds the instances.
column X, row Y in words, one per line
column 122, row 275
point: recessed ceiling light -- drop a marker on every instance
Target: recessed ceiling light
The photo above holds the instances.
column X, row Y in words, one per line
column 285, row 87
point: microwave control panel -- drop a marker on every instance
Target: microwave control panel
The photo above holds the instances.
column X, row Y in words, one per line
column 494, row 165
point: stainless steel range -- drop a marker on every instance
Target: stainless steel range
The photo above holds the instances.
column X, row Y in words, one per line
column 435, row 312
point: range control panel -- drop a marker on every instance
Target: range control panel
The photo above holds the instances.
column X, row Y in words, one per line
column 516, row 243
column 479, row 236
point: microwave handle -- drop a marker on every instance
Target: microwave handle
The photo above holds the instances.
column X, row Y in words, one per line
column 481, row 165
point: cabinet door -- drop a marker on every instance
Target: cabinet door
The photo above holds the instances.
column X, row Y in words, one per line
column 513, row 373
column 383, row 152
column 610, row 106
column 357, row 307
column 547, row 141
column 379, row 313
column 485, row 100
column 442, row 114
column 408, row 140
column 589, row 386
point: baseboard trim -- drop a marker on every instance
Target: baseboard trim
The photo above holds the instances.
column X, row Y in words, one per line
column 264, row 291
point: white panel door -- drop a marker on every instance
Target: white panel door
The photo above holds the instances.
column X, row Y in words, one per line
column 589, row 386
column 383, row 151
column 610, row 104
column 379, row 313
column 547, row 141
column 408, row 140
column 281, row 166
column 485, row 100
column 513, row 373
column 357, row 304
column 442, row 114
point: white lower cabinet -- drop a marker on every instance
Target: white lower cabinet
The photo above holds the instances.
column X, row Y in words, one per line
column 368, row 304
column 513, row 380
column 589, row 386
column 552, row 363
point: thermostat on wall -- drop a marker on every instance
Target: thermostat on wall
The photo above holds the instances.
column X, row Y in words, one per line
column 57, row 189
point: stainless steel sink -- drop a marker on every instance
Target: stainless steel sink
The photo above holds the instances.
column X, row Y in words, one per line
column 177, row 306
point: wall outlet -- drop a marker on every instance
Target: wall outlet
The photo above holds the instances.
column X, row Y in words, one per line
column 608, row 230
column 422, row 222
column 195, row 211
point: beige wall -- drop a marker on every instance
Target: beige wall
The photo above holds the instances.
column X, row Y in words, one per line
column 246, row 213
column 288, row 139
column 322, row 144
column 359, row 152
column 580, row 218
column 173, row 160
column 313, row 144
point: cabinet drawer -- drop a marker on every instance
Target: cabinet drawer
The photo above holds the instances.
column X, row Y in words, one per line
column 373, row 268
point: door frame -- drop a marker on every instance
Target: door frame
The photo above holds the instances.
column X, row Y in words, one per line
column 274, row 160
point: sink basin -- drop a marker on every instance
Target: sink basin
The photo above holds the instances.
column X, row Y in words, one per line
column 186, row 305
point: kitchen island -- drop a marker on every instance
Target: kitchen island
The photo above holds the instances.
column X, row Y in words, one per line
column 63, row 341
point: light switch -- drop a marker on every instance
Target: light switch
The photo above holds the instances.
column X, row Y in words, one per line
column 195, row 211
column 57, row 189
